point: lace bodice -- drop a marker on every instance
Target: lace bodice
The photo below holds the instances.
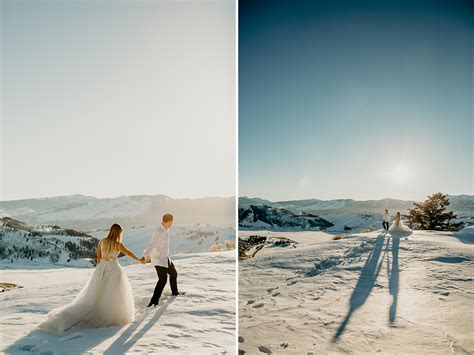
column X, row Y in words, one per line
column 108, row 257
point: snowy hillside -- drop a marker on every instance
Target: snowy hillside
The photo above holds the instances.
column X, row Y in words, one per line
column 22, row 245
column 355, row 216
column 184, row 239
column 85, row 212
column 358, row 222
column 365, row 293
column 201, row 322
column 267, row 217
column 354, row 222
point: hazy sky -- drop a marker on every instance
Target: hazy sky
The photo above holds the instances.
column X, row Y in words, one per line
column 355, row 99
column 110, row 98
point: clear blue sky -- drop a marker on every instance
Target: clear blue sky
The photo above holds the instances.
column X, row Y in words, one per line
column 355, row 99
column 110, row 98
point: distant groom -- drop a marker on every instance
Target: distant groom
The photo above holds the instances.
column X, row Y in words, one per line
column 386, row 220
column 159, row 251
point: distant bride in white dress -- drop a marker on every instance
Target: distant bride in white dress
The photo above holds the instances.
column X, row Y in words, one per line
column 107, row 298
column 398, row 226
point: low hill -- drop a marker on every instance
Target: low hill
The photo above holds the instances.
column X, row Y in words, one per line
column 272, row 218
column 45, row 245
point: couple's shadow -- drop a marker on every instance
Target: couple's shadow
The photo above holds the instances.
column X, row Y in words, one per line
column 369, row 275
column 127, row 339
column 57, row 343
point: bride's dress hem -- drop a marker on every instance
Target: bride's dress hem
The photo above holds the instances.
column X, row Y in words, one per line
column 398, row 228
column 106, row 300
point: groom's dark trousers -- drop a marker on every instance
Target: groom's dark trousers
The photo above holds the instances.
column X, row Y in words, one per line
column 385, row 225
column 163, row 278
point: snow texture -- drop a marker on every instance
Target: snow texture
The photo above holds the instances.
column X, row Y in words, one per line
column 200, row 322
column 365, row 293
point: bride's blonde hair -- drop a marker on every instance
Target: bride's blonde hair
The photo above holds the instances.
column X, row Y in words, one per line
column 112, row 242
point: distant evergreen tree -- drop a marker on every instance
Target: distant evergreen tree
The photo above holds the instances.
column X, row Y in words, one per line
column 432, row 215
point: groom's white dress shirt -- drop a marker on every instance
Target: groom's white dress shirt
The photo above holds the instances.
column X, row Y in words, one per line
column 386, row 217
column 159, row 247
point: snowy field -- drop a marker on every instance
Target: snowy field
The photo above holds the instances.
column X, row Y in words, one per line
column 201, row 322
column 366, row 293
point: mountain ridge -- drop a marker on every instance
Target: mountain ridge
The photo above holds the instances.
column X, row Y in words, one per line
column 87, row 212
column 268, row 217
column 459, row 203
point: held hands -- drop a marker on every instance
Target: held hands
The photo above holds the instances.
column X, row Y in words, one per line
column 142, row 260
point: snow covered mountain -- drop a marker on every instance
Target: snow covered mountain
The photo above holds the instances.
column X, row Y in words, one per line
column 354, row 216
column 46, row 246
column 267, row 217
column 86, row 213
column 460, row 204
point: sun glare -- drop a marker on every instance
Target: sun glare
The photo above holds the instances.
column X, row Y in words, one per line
column 401, row 173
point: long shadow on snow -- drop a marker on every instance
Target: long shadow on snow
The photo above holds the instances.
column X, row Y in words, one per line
column 365, row 284
column 79, row 340
column 82, row 339
column 125, row 341
column 393, row 277
column 369, row 275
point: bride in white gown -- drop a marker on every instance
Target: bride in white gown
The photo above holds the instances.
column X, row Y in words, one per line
column 398, row 226
column 107, row 298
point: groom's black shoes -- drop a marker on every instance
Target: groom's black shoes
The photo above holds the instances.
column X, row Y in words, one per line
column 153, row 304
column 178, row 294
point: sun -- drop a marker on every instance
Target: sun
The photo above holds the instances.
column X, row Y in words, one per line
column 401, row 173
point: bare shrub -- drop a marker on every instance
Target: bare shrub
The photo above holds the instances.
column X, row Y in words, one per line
column 215, row 247
column 229, row 244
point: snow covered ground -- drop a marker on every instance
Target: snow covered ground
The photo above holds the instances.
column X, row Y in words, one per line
column 353, row 222
column 358, row 222
column 366, row 293
column 201, row 322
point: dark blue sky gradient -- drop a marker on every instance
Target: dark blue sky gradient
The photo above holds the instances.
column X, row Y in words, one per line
column 337, row 96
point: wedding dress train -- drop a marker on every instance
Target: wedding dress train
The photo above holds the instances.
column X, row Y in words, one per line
column 398, row 227
column 107, row 299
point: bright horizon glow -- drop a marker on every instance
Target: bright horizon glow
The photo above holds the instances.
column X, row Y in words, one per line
column 112, row 98
column 355, row 100
column 401, row 173
column 118, row 196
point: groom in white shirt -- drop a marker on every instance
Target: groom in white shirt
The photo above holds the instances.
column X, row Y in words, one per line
column 159, row 251
column 386, row 220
